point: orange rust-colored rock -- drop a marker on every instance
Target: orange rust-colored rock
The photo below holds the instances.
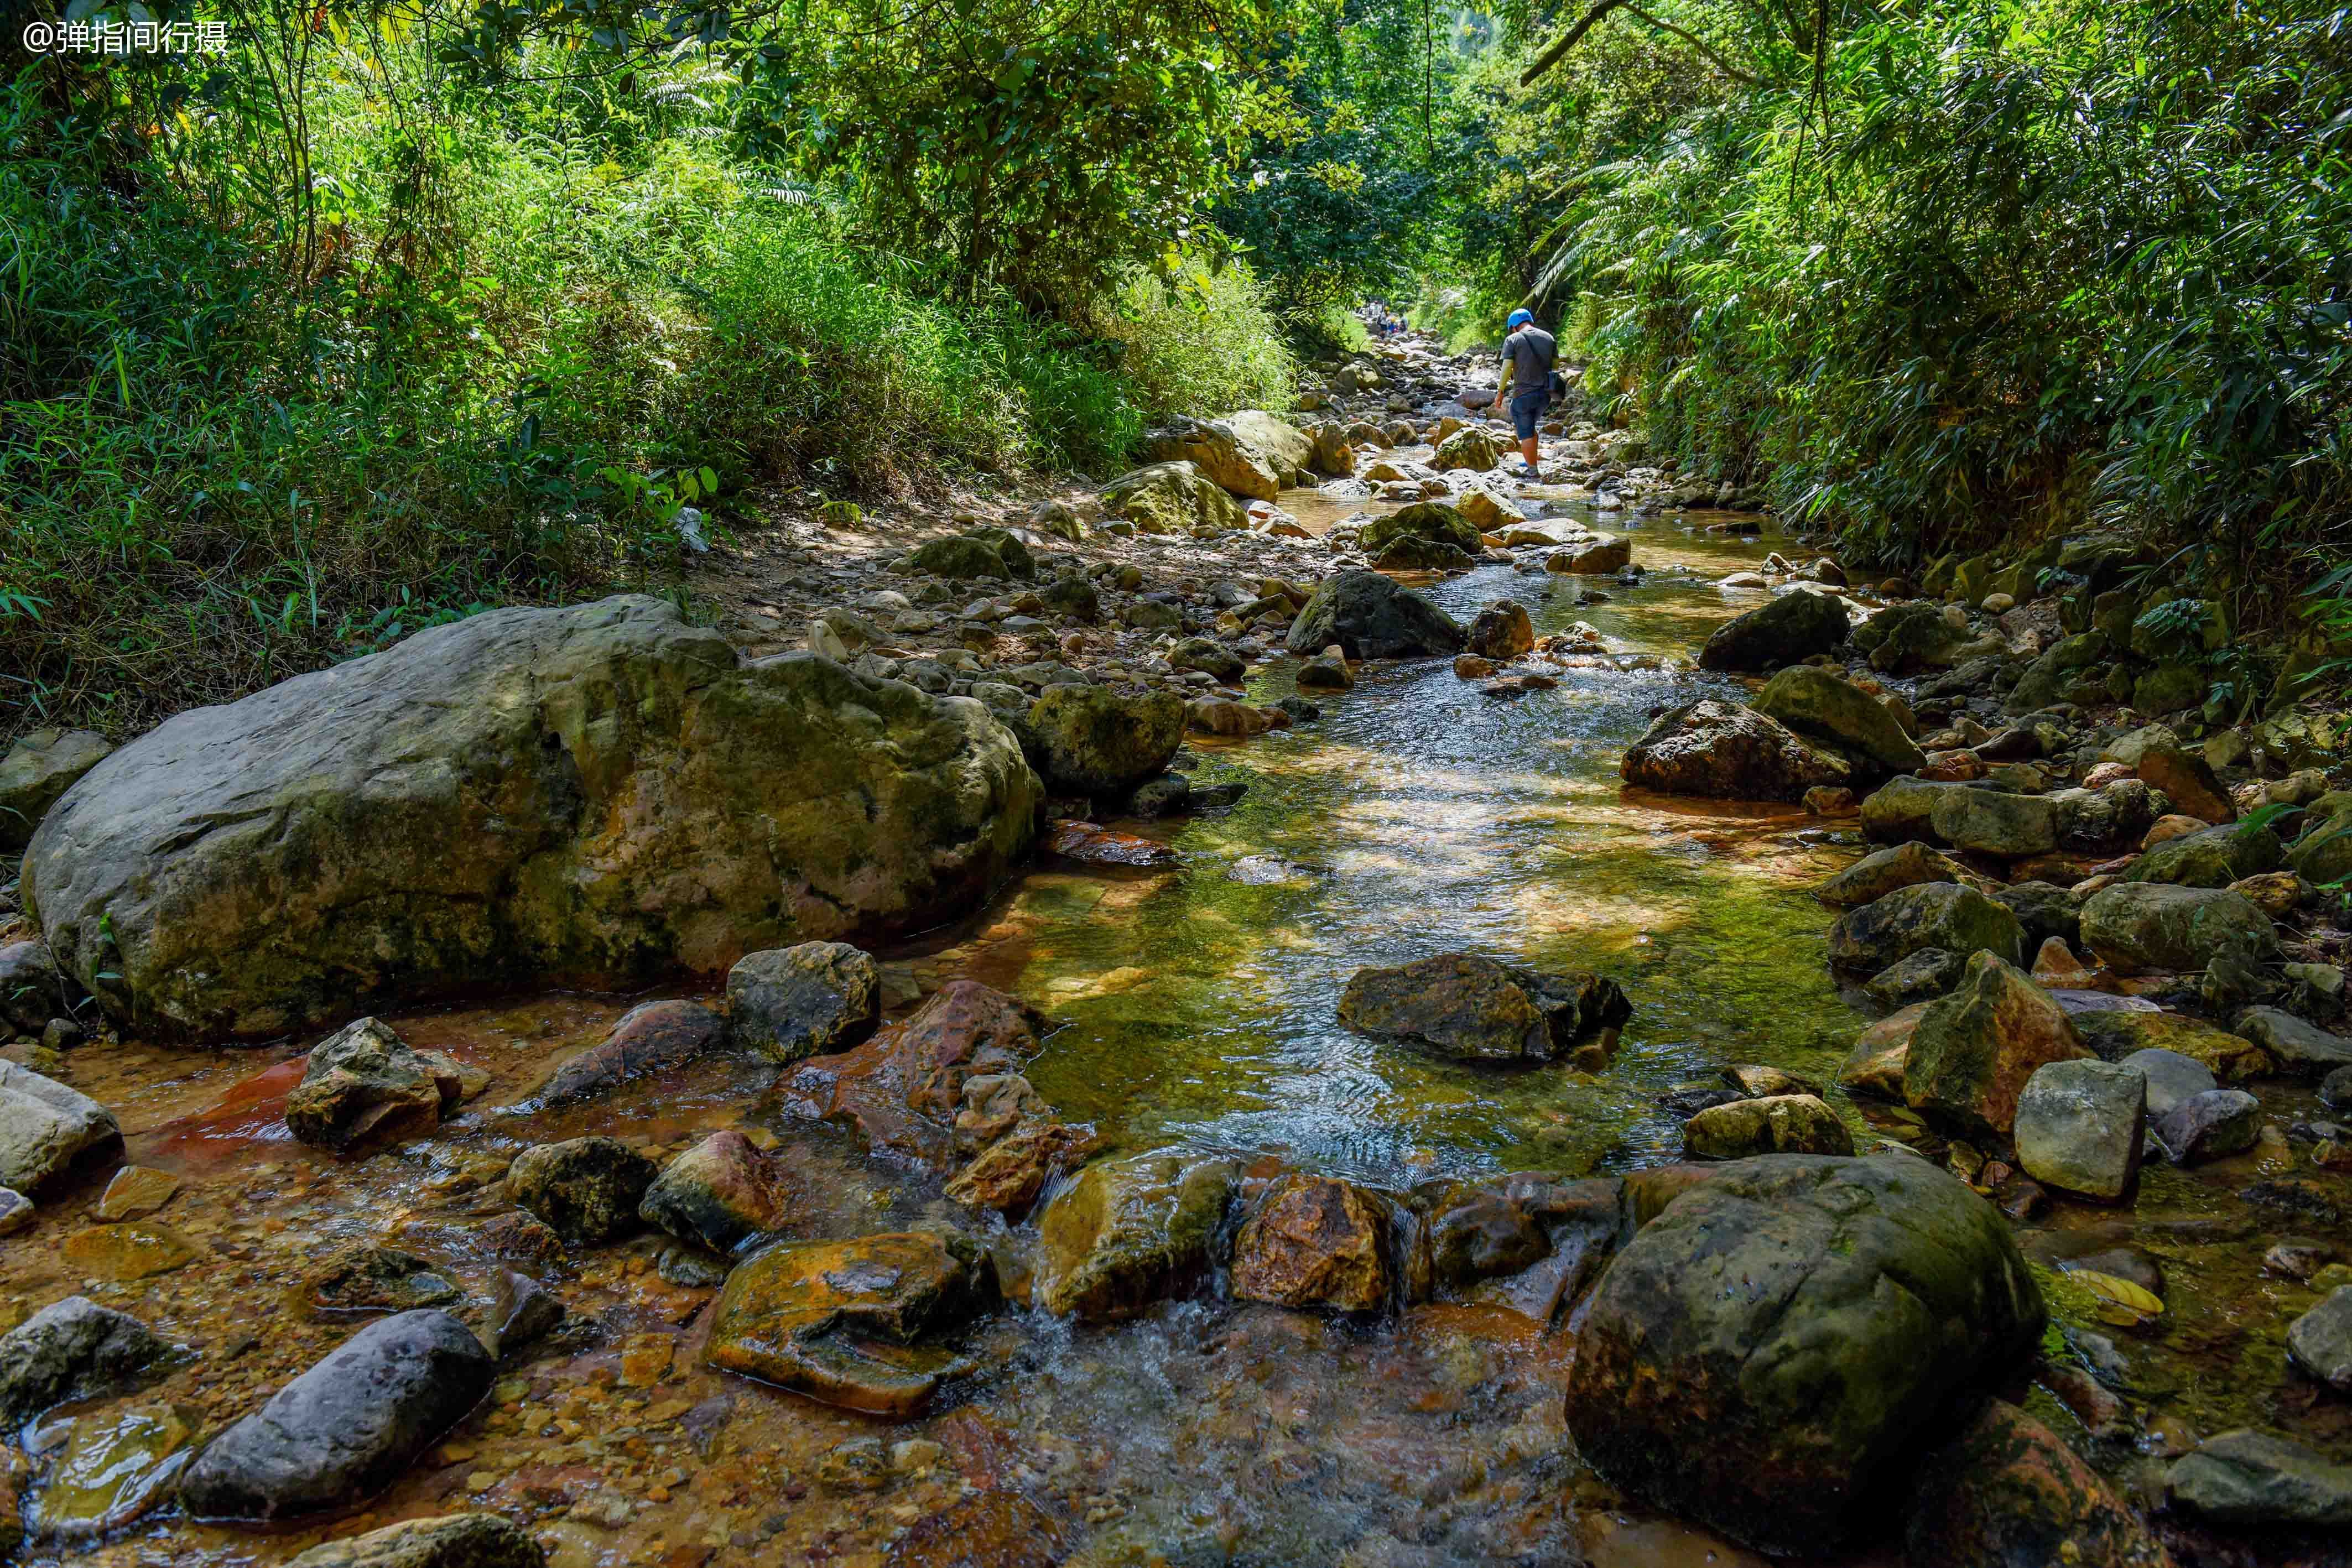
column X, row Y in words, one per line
column 2007, row 1490
column 1313, row 1241
column 1974, row 1050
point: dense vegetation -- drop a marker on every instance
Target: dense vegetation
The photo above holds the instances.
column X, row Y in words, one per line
column 402, row 307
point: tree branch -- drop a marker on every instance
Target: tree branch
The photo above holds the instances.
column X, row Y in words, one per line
column 1726, row 66
column 1551, row 56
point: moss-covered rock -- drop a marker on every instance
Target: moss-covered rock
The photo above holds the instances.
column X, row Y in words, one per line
column 595, row 794
column 2143, row 927
column 1128, row 1232
column 1438, row 521
column 1720, row 751
column 1975, row 1050
column 1820, row 705
column 1788, row 630
column 1173, row 497
column 1370, row 617
column 1093, row 741
column 1956, row 919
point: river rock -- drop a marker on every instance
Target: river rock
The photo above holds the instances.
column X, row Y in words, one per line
column 2115, row 1033
column 47, row 1129
column 648, row 1038
column 2187, row 780
column 2171, row 1076
column 1903, row 808
column 1975, row 1051
column 1092, row 740
column 1212, row 658
column 2207, row 1125
column 2300, row 1047
column 1776, row 1125
column 1431, row 522
column 2101, row 821
column 363, row 1088
column 31, row 991
column 2080, row 1126
column 1314, row 1240
column 586, row 1190
column 370, row 1278
column 599, row 793
column 1722, row 751
column 346, row 1429
column 1767, row 1356
column 74, row 1349
column 1128, row 1232
column 843, row 1321
column 1907, row 638
column 975, row 552
column 450, row 1541
column 804, row 1000
column 1820, row 707
column 2143, row 927
column 2320, row 1341
column 1502, row 631
column 2211, row 857
column 522, row 1312
column 39, row 769
column 1249, row 453
column 1945, row 914
column 2008, row 1491
column 1987, row 822
column 1478, row 1009
column 1874, row 1066
column 1881, row 872
column 1470, row 447
column 1369, row 616
column 1917, row 977
column 1787, row 630
column 18, row 1212
column 1326, row 672
column 1173, row 499
column 2254, row 1478
column 718, row 1193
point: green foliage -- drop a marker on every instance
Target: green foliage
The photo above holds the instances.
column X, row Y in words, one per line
column 1207, row 342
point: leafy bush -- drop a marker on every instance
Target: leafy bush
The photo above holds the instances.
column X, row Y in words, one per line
column 1207, row 343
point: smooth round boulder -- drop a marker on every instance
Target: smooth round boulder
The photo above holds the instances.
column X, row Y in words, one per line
column 2080, row 1126
column 346, row 1429
column 1369, row 616
column 598, row 795
column 1769, row 1354
column 1822, row 707
column 1092, row 740
column 1947, row 914
column 1788, row 630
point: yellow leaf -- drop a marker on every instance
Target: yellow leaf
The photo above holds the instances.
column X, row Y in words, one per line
column 2122, row 1302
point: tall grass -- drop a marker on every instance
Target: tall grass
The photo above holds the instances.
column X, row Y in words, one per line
column 1209, row 341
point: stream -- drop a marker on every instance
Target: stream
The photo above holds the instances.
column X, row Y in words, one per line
column 1195, row 1006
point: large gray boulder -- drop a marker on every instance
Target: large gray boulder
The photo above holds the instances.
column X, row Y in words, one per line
column 1769, row 1354
column 40, row 767
column 1371, row 617
column 601, row 793
column 1788, row 630
column 346, row 1429
column 1250, row 452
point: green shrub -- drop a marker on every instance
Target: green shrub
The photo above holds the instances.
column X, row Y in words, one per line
column 1209, row 343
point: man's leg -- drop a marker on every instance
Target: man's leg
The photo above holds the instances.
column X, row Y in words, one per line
column 1528, row 451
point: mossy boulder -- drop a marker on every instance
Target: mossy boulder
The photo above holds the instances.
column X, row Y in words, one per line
column 2214, row 857
column 1820, row 707
column 595, row 795
column 1128, row 1232
column 37, row 769
column 1092, row 740
column 1720, row 751
column 1774, row 1124
column 1908, row 638
column 1173, row 499
column 1769, row 1354
column 1371, row 617
column 2152, row 928
column 1956, row 919
column 1788, row 630
column 1975, row 1050
column 975, row 552
column 2008, row 1490
column 1472, row 448
column 1437, row 522
column 1250, row 452
column 1479, row 1009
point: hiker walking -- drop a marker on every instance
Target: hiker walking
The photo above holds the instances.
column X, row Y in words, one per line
column 1528, row 354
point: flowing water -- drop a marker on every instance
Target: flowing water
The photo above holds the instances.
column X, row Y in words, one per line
column 1418, row 815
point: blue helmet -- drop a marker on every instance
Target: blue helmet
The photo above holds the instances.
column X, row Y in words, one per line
column 1519, row 319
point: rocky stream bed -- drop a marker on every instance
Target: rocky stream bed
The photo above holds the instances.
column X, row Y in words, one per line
column 1107, row 1031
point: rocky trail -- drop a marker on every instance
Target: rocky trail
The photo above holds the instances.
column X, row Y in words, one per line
column 1315, row 1002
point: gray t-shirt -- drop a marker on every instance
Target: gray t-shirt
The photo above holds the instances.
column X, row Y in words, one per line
column 1530, row 352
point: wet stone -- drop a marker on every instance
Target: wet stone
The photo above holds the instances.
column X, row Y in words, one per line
column 584, row 1189
column 74, row 1349
column 2320, row 1341
column 135, row 1192
column 522, row 1312
column 2209, row 1126
column 1313, row 1241
column 2254, row 1478
column 842, row 1321
column 1779, row 1124
column 788, row 1003
column 1940, row 914
column 2300, row 1047
column 116, row 1466
column 718, row 1193
column 1126, row 1233
column 133, row 1250
column 451, row 1541
column 1478, row 1009
column 370, row 1278
column 1975, row 1050
column 347, row 1428
column 2008, row 1490
column 1920, row 977
column 2172, row 1077
column 364, row 1088
column 1881, row 872
column 648, row 1038
column 16, row 1211
column 2143, row 927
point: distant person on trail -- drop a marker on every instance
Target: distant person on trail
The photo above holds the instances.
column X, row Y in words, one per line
column 1528, row 355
